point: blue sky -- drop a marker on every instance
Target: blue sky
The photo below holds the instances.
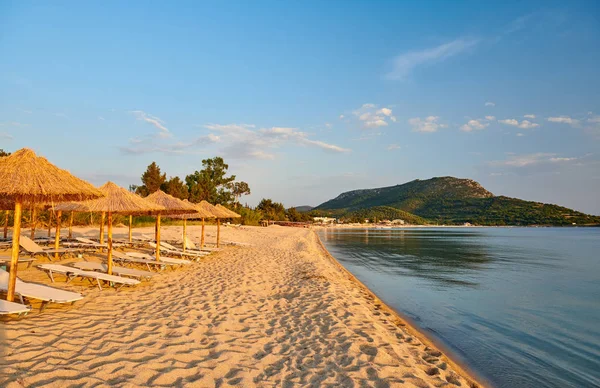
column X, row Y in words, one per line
column 305, row 100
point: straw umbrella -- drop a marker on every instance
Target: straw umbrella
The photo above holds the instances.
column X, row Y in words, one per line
column 116, row 200
column 27, row 179
column 225, row 213
column 173, row 206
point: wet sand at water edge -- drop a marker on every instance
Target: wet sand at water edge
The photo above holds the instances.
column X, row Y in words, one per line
column 277, row 312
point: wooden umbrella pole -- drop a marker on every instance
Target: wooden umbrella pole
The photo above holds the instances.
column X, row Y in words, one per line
column 71, row 226
column 33, row 222
column 218, row 233
column 57, row 235
column 184, row 232
column 157, row 238
column 102, row 227
column 130, row 223
column 109, row 262
column 49, row 222
column 14, row 258
column 6, row 224
column 202, row 237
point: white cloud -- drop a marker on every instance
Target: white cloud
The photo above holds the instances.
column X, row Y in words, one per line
column 520, row 134
column 342, row 117
column 529, row 116
column 538, row 158
column 392, row 147
column 428, row 124
column 525, row 124
column 564, row 120
column 6, row 136
column 594, row 120
column 472, row 125
column 26, row 111
column 149, row 144
column 371, row 117
column 490, row 118
column 101, row 118
column 153, row 120
column 404, row 64
column 244, row 141
column 489, row 103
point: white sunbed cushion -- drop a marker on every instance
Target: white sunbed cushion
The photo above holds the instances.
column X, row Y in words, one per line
column 7, row 307
column 39, row 291
column 86, row 265
column 168, row 260
column 90, row 274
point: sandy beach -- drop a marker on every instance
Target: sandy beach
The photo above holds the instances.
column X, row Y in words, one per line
column 277, row 311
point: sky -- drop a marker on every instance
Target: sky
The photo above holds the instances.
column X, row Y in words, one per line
column 305, row 100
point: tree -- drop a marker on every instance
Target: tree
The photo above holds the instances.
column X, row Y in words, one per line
column 152, row 180
column 176, row 187
column 3, row 153
column 238, row 189
column 271, row 210
column 211, row 183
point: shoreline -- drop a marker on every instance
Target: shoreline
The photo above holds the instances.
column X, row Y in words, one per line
column 461, row 366
column 277, row 311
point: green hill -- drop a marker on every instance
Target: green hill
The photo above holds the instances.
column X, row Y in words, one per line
column 451, row 200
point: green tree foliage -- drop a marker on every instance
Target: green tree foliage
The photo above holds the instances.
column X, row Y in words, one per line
column 176, row 187
column 211, row 183
column 3, row 153
column 238, row 189
column 152, row 180
column 273, row 211
column 295, row 216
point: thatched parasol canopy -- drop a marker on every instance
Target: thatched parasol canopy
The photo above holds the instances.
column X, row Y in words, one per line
column 28, row 178
column 116, row 200
column 32, row 179
column 230, row 213
column 207, row 208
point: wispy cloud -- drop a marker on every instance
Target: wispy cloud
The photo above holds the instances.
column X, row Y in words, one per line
column 489, row 103
column 101, row 118
column 525, row 124
column 149, row 144
column 392, row 147
column 529, row 116
column 532, row 159
column 405, row 63
column 371, row 116
column 245, row 141
column 428, row 124
column 564, row 120
column 153, row 120
column 61, row 115
column 6, row 136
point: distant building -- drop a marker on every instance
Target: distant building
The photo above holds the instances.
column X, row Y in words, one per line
column 324, row 220
column 398, row 222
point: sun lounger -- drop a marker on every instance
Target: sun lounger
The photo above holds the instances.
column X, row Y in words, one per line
column 40, row 292
column 166, row 251
column 120, row 271
column 189, row 245
column 34, row 249
column 7, row 307
column 123, row 259
column 167, row 260
column 72, row 273
column 190, row 251
column 6, row 261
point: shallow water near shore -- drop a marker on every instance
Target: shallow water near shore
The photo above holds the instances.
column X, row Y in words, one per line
column 521, row 306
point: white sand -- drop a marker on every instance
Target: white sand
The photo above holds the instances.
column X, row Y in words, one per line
column 277, row 313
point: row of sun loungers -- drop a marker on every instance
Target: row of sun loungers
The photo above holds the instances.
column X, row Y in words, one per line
column 95, row 273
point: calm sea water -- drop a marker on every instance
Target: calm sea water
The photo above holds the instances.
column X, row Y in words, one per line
column 521, row 306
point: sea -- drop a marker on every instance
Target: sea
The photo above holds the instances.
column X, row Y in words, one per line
column 520, row 307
